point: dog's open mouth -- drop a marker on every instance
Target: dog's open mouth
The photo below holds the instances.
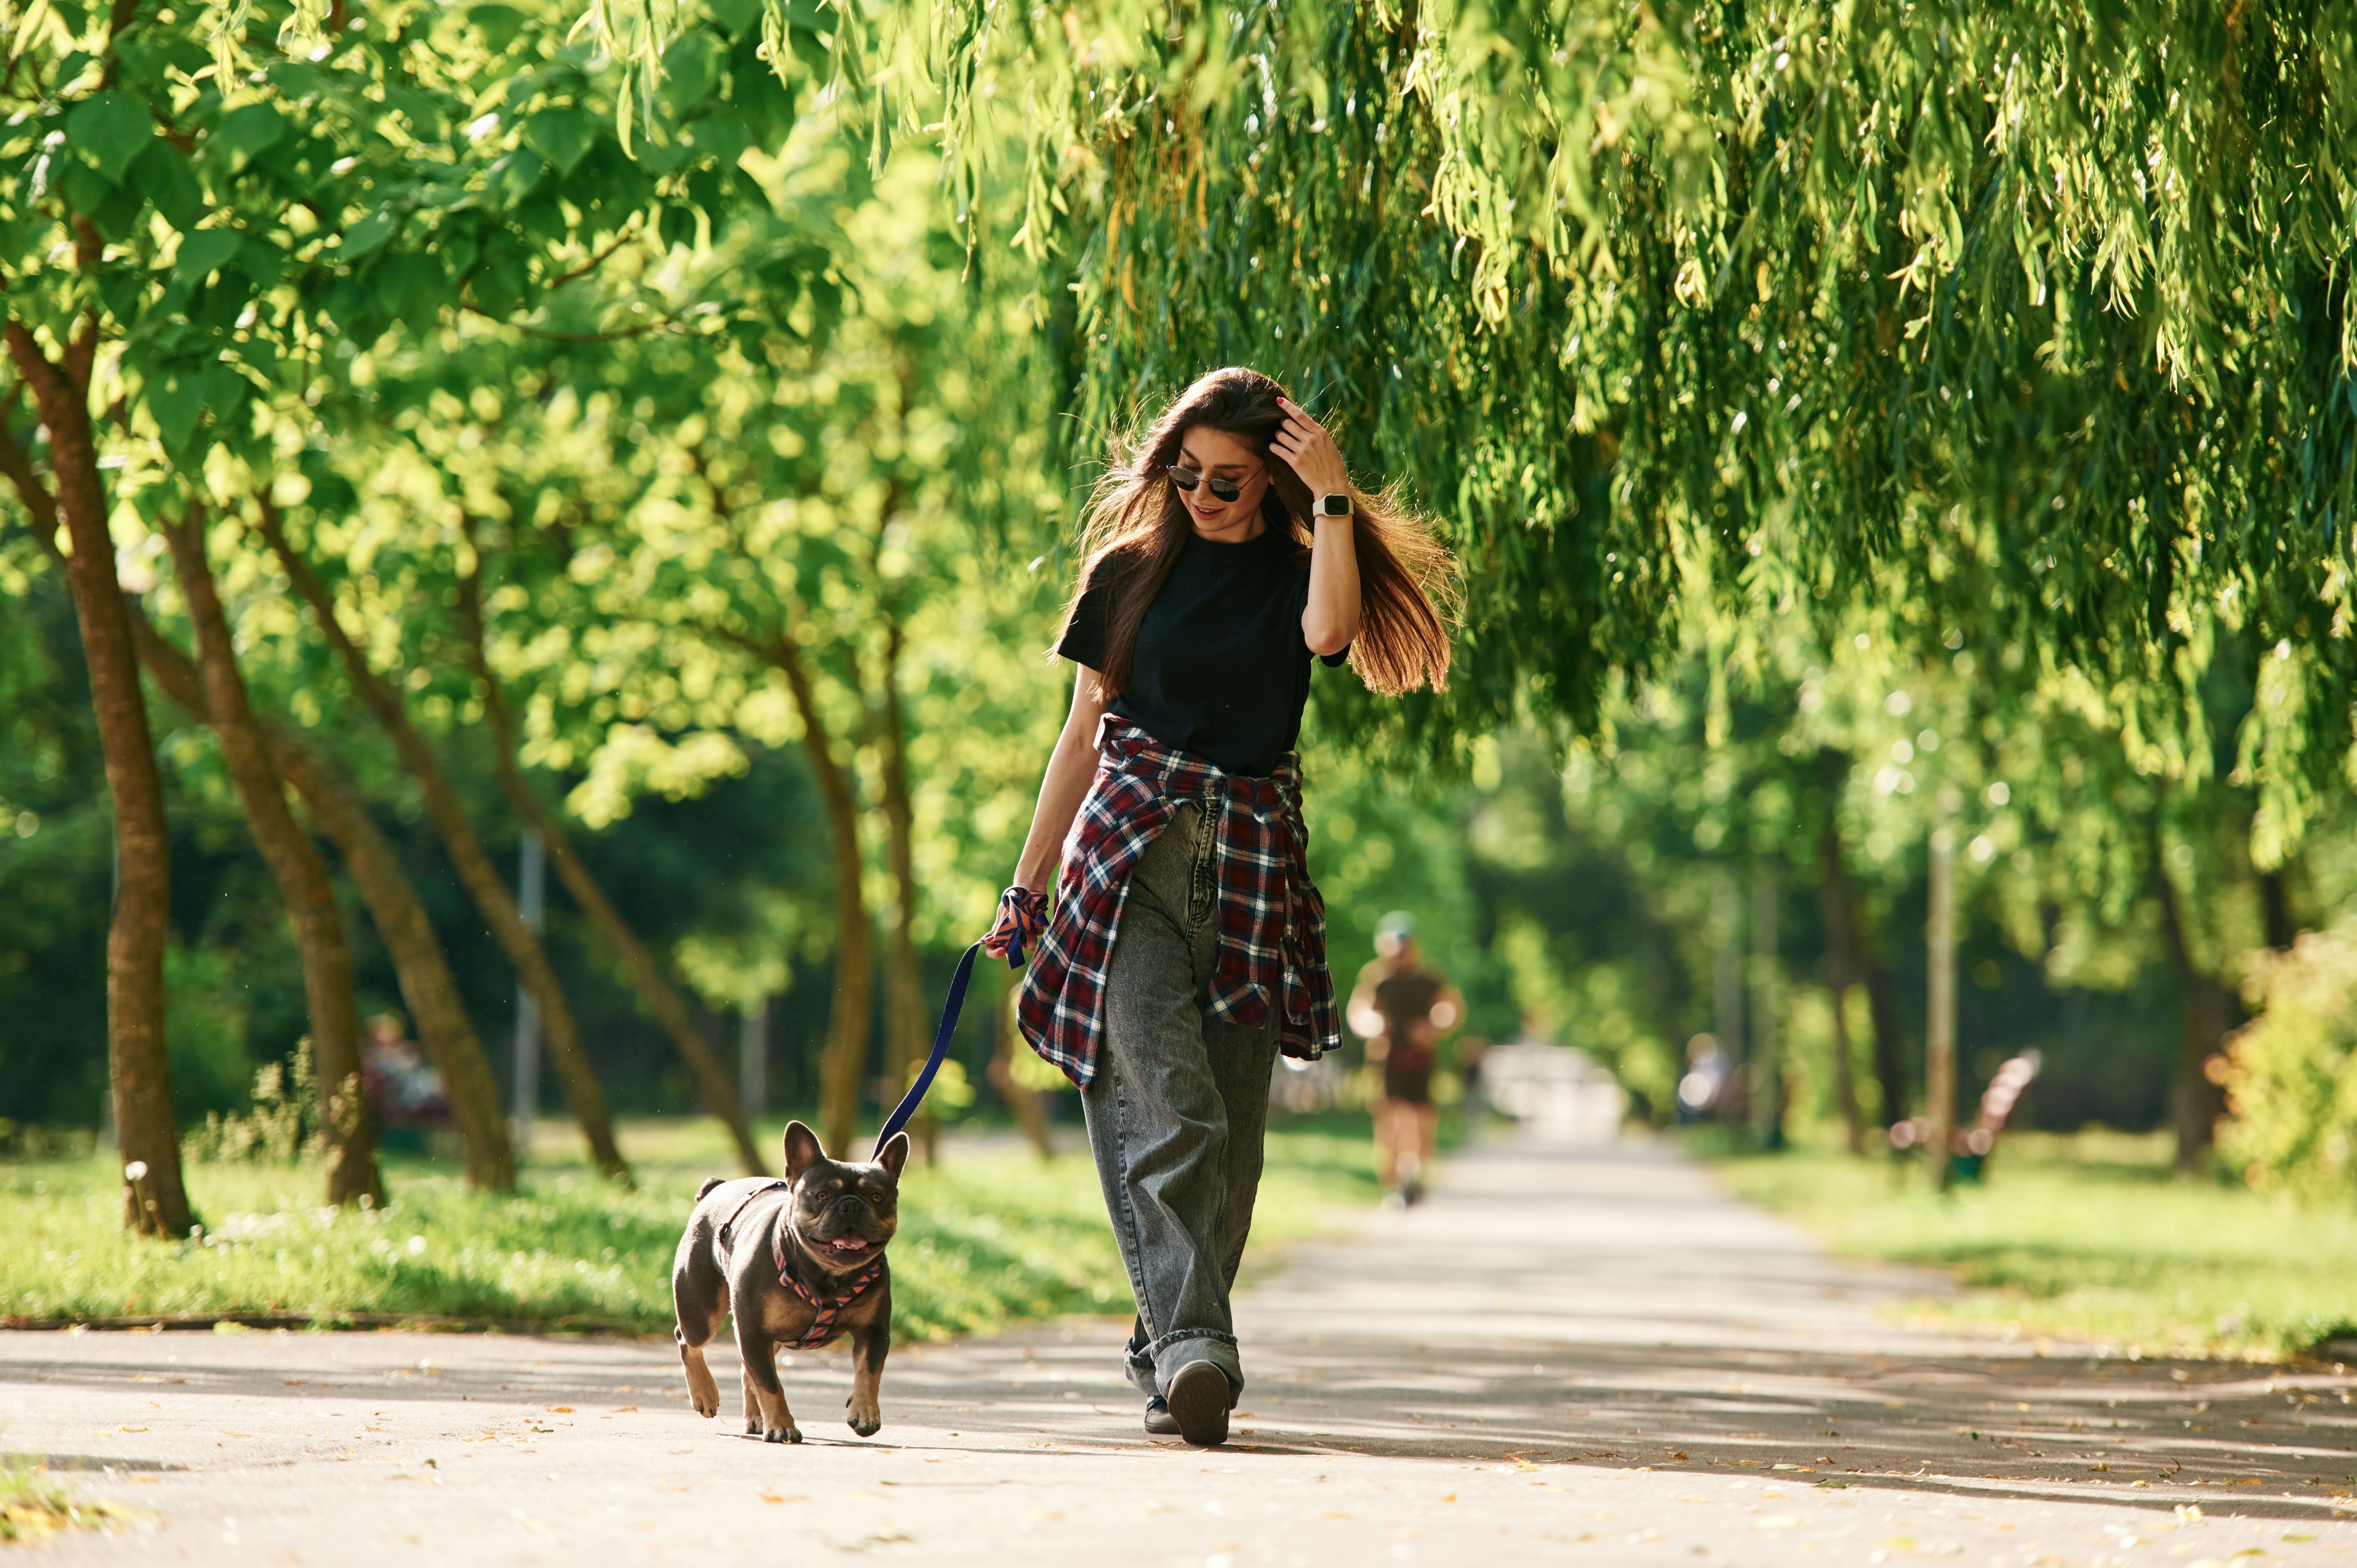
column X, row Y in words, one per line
column 846, row 1247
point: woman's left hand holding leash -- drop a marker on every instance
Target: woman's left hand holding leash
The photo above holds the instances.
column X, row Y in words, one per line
column 1310, row 452
column 1015, row 935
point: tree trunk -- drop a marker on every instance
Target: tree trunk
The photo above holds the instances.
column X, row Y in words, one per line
column 1833, row 907
column 303, row 884
column 1939, row 1025
column 1766, row 1006
column 138, row 1061
column 655, row 993
column 1845, row 1083
column 2195, row 1100
column 1882, row 1008
column 905, row 1019
column 1734, row 1106
column 437, row 1010
column 844, row 1061
column 1029, row 1114
column 583, row 1093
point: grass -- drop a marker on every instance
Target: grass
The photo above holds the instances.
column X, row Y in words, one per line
column 2088, row 1238
column 991, row 1238
column 34, row 1508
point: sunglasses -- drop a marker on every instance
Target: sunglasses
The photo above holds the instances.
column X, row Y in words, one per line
column 1188, row 479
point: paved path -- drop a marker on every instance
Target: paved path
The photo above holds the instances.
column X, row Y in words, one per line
column 1563, row 1357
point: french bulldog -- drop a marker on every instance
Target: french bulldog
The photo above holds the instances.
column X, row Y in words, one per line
column 798, row 1263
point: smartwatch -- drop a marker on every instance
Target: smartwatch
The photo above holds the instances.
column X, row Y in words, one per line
column 1333, row 505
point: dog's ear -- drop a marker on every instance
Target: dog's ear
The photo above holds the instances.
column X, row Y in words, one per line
column 894, row 1154
column 801, row 1148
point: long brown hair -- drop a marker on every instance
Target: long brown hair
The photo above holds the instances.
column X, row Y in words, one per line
column 1135, row 525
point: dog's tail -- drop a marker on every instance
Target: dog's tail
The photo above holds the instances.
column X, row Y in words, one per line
column 705, row 1190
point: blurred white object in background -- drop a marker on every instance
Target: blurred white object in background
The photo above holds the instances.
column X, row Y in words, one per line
column 1305, row 1086
column 1557, row 1092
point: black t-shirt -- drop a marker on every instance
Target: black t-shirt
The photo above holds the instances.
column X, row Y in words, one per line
column 1220, row 668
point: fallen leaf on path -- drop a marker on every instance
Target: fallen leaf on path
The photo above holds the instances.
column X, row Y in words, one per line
column 225, row 1432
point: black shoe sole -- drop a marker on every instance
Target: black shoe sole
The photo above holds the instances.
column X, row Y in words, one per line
column 1199, row 1400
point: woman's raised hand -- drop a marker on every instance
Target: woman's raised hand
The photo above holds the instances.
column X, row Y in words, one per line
column 1305, row 446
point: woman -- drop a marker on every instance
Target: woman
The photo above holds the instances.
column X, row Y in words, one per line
column 1228, row 551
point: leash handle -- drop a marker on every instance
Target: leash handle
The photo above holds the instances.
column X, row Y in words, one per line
column 951, row 1007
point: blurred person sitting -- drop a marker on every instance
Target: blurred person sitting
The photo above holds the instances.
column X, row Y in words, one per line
column 1401, row 1008
column 404, row 1091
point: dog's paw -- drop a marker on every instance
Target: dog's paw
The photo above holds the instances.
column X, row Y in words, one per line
column 866, row 1419
column 782, row 1435
column 706, row 1405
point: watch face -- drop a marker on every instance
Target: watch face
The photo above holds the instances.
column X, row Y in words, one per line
column 1334, row 506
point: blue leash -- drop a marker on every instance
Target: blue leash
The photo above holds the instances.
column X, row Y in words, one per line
column 950, row 1010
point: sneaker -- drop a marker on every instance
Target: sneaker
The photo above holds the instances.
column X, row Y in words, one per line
column 1394, row 1199
column 1199, row 1400
column 1159, row 1422
column 1411, row 1193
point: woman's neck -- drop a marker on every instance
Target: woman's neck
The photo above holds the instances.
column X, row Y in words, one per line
column 1243, row 531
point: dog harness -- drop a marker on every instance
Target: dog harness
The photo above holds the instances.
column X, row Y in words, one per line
column 829, row 1307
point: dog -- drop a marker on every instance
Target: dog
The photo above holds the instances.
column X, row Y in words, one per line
column 798, row 1263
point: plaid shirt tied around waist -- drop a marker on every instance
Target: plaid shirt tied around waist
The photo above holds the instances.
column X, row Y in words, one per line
column 1272, row 945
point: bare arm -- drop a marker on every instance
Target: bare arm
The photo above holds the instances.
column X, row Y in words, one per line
column 1329, row 622
column 1069, row 767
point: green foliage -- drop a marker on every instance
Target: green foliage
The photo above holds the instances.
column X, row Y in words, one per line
column 285, row 1098
column 243, row 221
column 989, row 1240
column 2088, row 1240
column 2290, row 1077
column 2024, row 321
column 205, row 1019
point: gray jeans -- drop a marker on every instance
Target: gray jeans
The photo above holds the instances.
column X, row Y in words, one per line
column 1176, row 1113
